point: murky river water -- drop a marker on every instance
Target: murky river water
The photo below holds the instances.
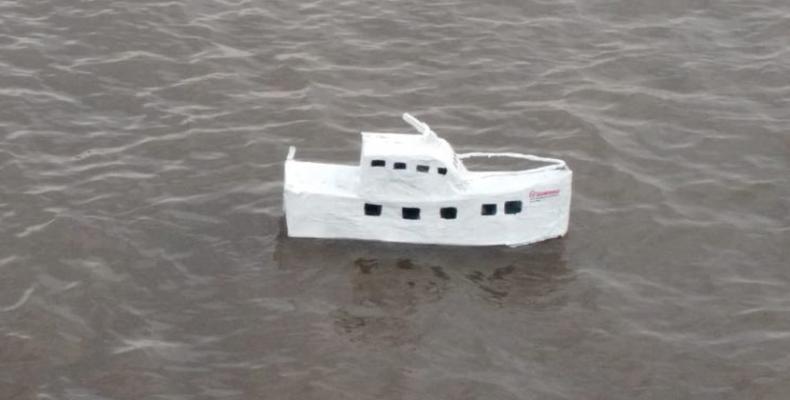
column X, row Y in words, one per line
column 142, row 249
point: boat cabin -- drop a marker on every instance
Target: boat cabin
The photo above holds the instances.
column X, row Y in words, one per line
column 400, row 166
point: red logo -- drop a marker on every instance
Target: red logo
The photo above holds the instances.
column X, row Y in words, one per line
column 537, row 195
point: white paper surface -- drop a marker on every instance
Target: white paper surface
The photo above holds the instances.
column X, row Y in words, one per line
column 324, row 200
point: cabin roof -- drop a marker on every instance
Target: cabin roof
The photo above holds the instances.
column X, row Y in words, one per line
column 406, row 146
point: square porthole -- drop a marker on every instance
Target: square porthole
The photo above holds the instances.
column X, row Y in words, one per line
column 372, row 209
column 448, row 212
column 513, row 207
column 410, row 213
column 423, row 168
column 399, row 165
column 442, row 170
column 488, row 209
column 378, row 163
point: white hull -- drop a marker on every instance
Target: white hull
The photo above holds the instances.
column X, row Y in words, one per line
column 321, row 215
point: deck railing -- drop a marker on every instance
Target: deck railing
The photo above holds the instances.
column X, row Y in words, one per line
column 555, row 163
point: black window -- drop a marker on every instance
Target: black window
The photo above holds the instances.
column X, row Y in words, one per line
column 378, row 163
column 512, row 207
column 488, row 209
column 448, row 212
column 400, row 165
column 423, row 168
column 411, row 213
column 442, row 170
column 372, row 209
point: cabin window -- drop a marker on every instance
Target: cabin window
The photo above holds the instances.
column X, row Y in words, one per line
column 400, row 165
column 488, row 209
column 372, row 209
column 442, row 170
column 423, row 168
column 448, row 212
column 410, row 213
column 513, row 207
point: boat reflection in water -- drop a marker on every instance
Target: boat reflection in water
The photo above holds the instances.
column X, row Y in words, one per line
column 390, row 294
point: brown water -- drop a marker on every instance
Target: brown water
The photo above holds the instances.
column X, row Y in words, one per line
column 142, row 250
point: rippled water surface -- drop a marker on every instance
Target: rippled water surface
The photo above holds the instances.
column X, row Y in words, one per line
column 142, row 249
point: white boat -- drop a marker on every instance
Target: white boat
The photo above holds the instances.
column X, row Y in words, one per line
column 414, row 188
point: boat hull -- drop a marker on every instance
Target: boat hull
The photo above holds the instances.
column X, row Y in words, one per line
column 544, row 214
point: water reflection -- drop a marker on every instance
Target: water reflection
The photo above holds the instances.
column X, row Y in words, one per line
column 386, row 293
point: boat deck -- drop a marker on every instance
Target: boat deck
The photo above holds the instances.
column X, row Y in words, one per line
column 343, row 180
column 322, row 178
column 503, row 182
